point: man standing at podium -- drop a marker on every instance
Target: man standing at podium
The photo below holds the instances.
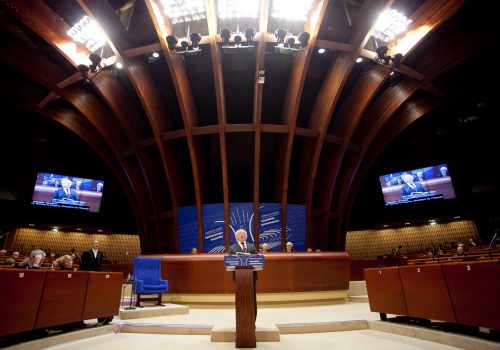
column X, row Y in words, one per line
column 241, row 245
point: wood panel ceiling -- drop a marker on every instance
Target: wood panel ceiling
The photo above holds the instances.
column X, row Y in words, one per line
column 189, row 130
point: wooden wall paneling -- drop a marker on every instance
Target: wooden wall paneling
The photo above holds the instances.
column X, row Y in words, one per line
column 220, row 97
column 293, row 96
column 182, row 87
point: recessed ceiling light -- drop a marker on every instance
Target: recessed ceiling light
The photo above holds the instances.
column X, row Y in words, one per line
column 386, row 225
column 31, row 225
column 100, row 230
column 407, row 223
column 78, row 228
column 359, row 59
column 321, row 51
column 119, row 65
column 456, row 217
column 432, row 223
column 55, row 228
column 155, row 54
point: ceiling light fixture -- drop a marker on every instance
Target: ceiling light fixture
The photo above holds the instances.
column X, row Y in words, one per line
column 237, row 9
column 181, row 11
column 119, row 65
column 390, row 23
column 155, row 54
column 321, row 51
column 359, row 59
column 291, row 10
column 89, row 33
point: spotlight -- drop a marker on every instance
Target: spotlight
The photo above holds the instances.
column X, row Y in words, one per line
column 304, row 38
column 184, row 45
column 290, row 41
column 96, row 61
column 250, row 34
column 225, row 34
column 237, row 40
column 195, row 39
column 119, row 65
column 82, row 68
column 280, row 35
column 171, row 42
column 359, row 59
column 396, row 59
column 321, row 51
column 155, row 54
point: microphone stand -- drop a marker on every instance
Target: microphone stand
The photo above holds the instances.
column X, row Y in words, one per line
column 130, row 307
column 492, row 242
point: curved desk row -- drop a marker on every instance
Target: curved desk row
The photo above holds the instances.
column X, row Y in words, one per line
column 201, row 278
column 37, row 299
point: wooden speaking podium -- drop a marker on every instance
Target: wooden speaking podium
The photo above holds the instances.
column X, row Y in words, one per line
column 245, row 267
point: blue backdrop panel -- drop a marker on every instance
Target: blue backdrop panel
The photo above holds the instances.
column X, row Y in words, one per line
column 296, row 226
column 213, row 227
column 188, row 228
column 270, row 225
column 241, row 216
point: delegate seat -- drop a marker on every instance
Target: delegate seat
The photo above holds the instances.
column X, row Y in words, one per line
column 385, row 292
column 103, row 295
column 475, row 289
column 20, row 295
column 426, row 292
column 63, row 298
column 147, row 279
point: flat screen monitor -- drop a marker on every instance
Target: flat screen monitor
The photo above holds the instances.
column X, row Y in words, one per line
column 62, row 191
column 423, row 184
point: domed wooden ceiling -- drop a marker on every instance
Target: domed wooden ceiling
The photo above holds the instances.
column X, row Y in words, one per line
column 181, row 130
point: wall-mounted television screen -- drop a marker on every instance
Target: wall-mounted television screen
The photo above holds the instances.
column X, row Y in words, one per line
column 417, row 185
column 61, row 191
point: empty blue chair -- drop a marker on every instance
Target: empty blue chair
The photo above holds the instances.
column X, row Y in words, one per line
column 147, row 279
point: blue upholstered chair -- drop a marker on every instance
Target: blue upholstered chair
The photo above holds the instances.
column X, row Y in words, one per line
column 147, row 279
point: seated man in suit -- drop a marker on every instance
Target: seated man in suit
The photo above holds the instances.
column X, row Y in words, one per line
column 92, row 259
column 241, row 245
column 65, row 191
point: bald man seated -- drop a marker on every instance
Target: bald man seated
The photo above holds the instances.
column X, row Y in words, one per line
column 241, row 245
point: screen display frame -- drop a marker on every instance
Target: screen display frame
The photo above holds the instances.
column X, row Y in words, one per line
column 434, row 183
column 56, row 190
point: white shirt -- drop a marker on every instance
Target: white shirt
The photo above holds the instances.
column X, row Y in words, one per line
column 95, row 252
column 243, row 245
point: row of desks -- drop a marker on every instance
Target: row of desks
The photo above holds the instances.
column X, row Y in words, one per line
column 35, row 299
column 465, row 293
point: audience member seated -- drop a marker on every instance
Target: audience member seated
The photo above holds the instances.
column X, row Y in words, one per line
column 264, row 248
column 194, row 250
column 472, row 243
column 309, row 250
column 64, row 262
column 3, row 253
column 75, row 255
column 35, row 260
column 12, row 261
column 460, row 249
column 289, row 247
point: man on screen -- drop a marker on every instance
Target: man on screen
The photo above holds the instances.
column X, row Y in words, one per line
column 241, row 245
column 65, row 191
column 410, row 186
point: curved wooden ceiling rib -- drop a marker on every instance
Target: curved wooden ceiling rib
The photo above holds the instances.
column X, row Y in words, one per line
column 293, row 97
column 441, row 64
column 328, row 96
column 221, row 109
column 72, row 121
column 154, row 109
column 264, row 10
column 351, row 113
column 53, row 30
column 413, row 109
column 185, row 98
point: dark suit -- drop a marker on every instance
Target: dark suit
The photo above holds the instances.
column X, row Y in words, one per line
column 60, row 194
column 88, row 262
column 406, row 190
column 235, row 248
